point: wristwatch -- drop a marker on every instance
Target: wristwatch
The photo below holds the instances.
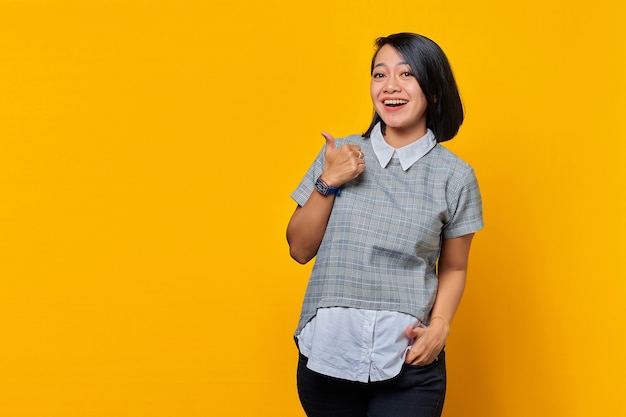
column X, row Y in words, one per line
column 325, row 189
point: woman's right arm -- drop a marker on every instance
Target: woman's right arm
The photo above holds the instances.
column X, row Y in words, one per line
column 308, row 223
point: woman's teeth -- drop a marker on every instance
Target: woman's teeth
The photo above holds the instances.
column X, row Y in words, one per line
column 395, row 102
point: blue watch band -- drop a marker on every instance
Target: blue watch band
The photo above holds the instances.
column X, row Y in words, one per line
column 325, row 189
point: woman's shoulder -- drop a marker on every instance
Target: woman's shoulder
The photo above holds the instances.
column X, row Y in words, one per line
column 458, row 172
column 444, row 157
column 354, row 139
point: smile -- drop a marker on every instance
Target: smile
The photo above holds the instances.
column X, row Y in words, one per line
column 394, row 103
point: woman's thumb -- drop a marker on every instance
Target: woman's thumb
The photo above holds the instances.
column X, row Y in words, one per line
column 330, row 141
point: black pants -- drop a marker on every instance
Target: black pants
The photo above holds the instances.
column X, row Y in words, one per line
column 418, row 391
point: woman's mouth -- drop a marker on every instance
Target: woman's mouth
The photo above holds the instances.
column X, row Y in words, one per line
column 394, row 103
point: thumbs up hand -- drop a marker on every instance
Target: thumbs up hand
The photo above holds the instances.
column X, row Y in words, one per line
column 341, row 164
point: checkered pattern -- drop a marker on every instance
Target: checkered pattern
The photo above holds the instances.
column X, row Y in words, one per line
column 384, row 234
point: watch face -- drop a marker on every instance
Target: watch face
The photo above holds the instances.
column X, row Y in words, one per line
column 322, row 187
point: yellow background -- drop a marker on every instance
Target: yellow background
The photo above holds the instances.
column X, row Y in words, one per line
column 147, row 154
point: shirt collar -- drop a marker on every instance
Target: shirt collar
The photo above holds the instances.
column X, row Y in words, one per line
column 408, row 155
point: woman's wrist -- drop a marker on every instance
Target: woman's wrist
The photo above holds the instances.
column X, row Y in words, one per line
column 330, row 179
column 442, row 320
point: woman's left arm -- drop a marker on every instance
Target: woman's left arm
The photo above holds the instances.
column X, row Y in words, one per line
column 452, row 270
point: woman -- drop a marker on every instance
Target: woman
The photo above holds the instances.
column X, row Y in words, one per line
column 390, row 217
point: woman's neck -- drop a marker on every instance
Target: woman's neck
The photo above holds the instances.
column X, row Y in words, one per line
column 398, row 138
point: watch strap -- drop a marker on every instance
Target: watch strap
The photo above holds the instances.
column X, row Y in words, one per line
column 324, row 189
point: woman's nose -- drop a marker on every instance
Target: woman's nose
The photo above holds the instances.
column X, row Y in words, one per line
column 391, row 85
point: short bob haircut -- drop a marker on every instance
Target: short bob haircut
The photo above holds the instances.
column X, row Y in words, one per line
column 430, row 66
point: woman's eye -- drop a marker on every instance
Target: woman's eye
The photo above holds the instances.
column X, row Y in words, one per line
column 407, row 74
column 378, row 75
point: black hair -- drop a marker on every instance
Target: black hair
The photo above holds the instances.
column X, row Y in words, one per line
column 430, row 66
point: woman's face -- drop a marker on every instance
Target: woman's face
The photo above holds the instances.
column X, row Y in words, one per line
column 396, row 94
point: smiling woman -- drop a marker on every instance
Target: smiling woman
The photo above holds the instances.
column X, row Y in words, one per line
column 398, row 98
column 377, row 309
column 414, row 69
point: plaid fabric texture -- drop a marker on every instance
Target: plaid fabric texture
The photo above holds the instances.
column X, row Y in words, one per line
column 384, row 234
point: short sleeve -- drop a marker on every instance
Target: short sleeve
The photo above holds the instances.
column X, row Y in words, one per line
column 465, row 207
column 307, row 185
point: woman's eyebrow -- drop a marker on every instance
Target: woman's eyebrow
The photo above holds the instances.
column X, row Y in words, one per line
column 382, row 64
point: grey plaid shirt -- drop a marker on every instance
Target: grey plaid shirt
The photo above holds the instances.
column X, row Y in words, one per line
column 384, row 234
